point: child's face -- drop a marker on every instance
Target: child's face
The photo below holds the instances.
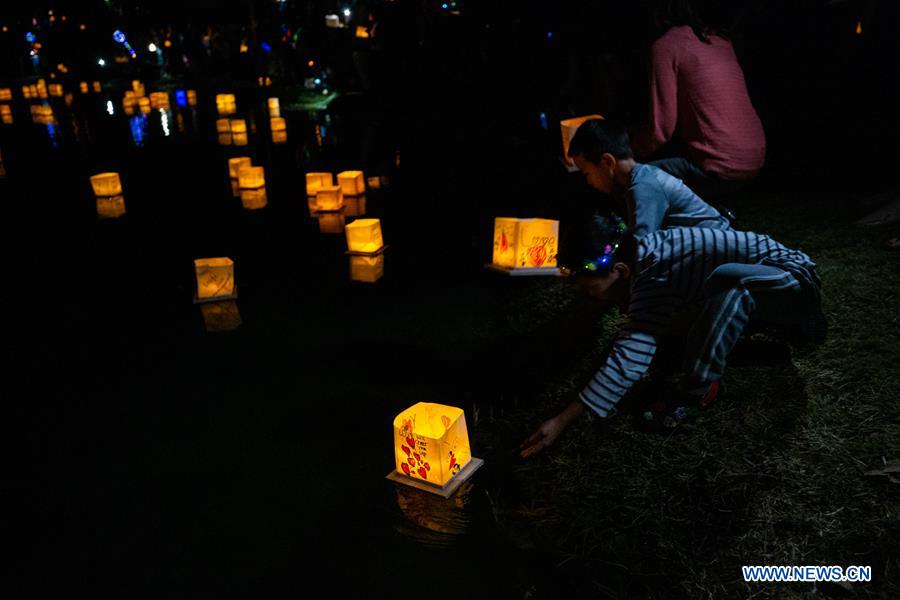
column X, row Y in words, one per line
column 597, row 175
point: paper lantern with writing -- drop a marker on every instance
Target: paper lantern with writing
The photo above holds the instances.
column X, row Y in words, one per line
column 431, row 443
column 220, row 316
column 329, row 197
column 367, row 269
column 110, row 207
column 159, row 100
column 316, row 180
column 274, row 107
column 331, row 222
column 106, row 184
column 96, row 87
column 235, row 164
column 568, row 128
column 5, row 94
column 226, row 104
column 525, row 243
column 352, row 182
column 239, row 132
column 251, row 178
column 215, row 279
column 364, row 236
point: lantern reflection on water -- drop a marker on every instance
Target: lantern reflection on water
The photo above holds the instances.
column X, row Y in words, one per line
column 144, row 105
column 110, row 207
column 192, row 98
column 96, row 87
column 526, row 246
column 368, row 269
column 254, row 199
column 83, row 87
column 568, row 128
column 223, row 129
column 239, row 132
column 354, row 206
column 352, row 183
column 274, row 107
column 279, row 130
column 215, row 279
column 329, row 198
column 431, row 448
column 220, row 316
column 364, row 236
column 252, row 181
column 6, row 114
column 56, row 90
column 331, row 222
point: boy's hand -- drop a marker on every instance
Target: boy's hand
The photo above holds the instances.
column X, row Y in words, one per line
column 550, row 430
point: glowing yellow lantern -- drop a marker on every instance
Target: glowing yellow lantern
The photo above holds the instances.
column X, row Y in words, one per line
column 331, row 222
column 5, row 94
column 223, row 128
column 362, row 32
column 239, row 132
column 215, row 279
column 568, row 128
column 26, row 92
column 329, row 197
column 96, row 86
column 279, row 130
column 106, row 184
column 525, row 243
column 314, row 181
column 192, row 98
column 159, row 100
column 354, row 206
column 368, row 269
column 56, row 90
column 352, row 183
column 274, row 107
column 251, row 178
column 220, row 316
column 110, row 207
column 431, row 448
column 42, row 89
column 83, row 87
column 254, row 199
column 226, row 104
column 6, row 114
column 235, row 164
column 364, row 236
column 144, row 105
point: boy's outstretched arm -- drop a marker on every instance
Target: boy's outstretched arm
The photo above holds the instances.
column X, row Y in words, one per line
column 551, row 428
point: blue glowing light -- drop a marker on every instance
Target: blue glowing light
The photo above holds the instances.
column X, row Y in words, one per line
column 266, row 47
column 317, row 81
column 119, row 36
column 445, row 6
column 30, row 37
column 549, row 35
column 544, row 123
column 180, row 98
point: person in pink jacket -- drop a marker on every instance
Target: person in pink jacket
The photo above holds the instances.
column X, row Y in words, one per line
column 699, row 105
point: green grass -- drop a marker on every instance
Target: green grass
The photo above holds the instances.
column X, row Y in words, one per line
column 773, row 474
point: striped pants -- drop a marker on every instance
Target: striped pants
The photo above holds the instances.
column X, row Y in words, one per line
column 736, row 293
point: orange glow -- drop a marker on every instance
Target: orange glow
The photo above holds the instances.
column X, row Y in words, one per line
column 859, row 28
column 106, row 184
column 352, row 183
column 215, row 278
column 311, row 63
column 431, row 442
column 314, row 181
column 167, row 43
column 329, row 198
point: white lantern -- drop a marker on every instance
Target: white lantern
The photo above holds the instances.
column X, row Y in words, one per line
column 364, row 236
column 352, row 183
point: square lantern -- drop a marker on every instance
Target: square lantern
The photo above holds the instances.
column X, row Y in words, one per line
column 26, row 92
column 192, row 98
column 96, row 87
column 144, row 105
column 251, row 178
column 352, row 183
column 364, row 236
column 239, row 132
column 220, row 316
column 215, row 279
column 138, row 87
column 110, row 207
column 331, row 222
column 6, row 114
column 106, row 184
column 274, row 107
column 254, row 199
column 56, row 90
column 529, row 245
column 83, row 87
column 354, row 206
column 5, row 94
column 279, row 130
column 159, row 100
column 568, row 128
column 431, row 448
column 316, row 180
column 226, row 104
column 367, row 269
column 235, row 165
column 329, row 197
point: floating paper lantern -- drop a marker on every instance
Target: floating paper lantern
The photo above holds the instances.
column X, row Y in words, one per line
column 329, row 197
column 6, row 114
column 331, row 222
column 220, row 316
column 368, row 269
column 226, row 104
column 42, row 89
column 274, row 107
column 56, row 90
column 96, row 86
column 5, row 94
column 83, row 87
column 333, row 21
column 254, row 199
column 354, row 206
column 215, row 279
column 27, row 92
column 239, row 132
column 110, row 207
column 568, row 128
column 159, row 100
column 279, row 130
column 223, row 128
column 69, row 97
column 352, row 183
column 314, row 181
column 251, row 178
column 362, row 32
column 525, row 243
column 431, row 448
column 106, row 184
column 235, row 164
column 364, row 236
column 192, row 98
column 144, row 105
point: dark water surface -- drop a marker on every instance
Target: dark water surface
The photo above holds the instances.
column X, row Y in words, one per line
column 158, row 456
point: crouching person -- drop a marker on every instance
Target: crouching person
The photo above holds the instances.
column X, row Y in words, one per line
column 734, row 277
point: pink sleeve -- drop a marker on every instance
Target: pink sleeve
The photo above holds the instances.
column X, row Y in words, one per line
column 663, row 96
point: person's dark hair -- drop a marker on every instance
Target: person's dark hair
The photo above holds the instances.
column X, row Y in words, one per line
column 597, row 137
column 705, row 17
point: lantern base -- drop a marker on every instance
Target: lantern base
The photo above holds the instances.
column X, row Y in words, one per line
column 443, row 491
column 357, row 253
column 525, row 271
column 233, row 296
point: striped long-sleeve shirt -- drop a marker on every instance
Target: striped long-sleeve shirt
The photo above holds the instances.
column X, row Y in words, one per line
column 671, row 268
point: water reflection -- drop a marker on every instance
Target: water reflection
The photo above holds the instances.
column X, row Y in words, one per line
column 221, row 316
column 254, row 199
column 138, row 129
column 432, row 520
column 368, row 269
column 354, row 206
column 331, row 222
column 110, row 207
